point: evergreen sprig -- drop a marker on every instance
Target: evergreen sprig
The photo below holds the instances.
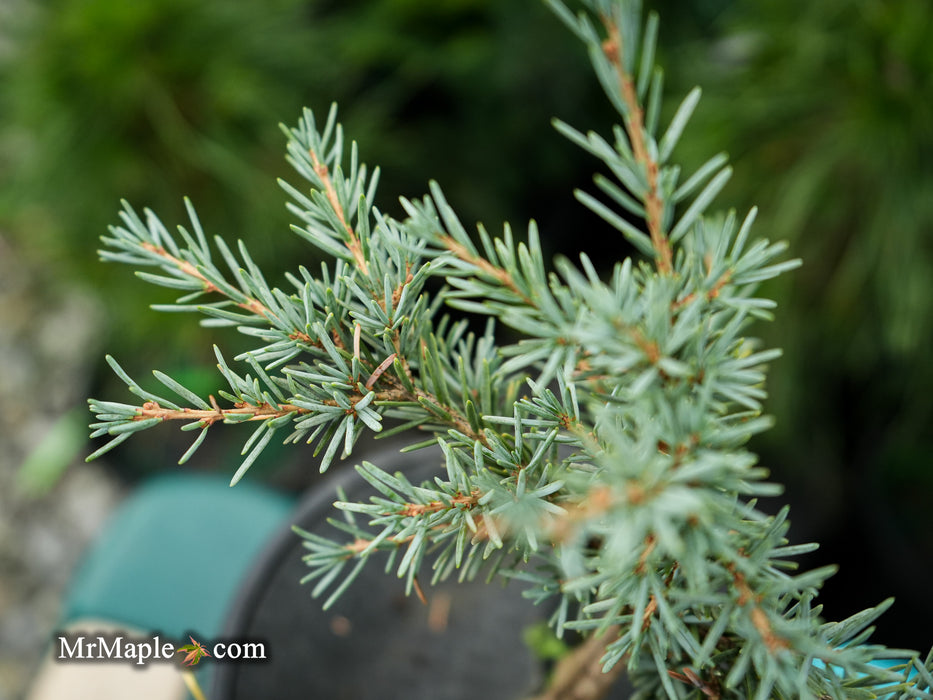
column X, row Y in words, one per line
column 600, row 459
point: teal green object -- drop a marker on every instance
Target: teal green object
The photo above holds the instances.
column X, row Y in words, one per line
column 879, row 663
column 174, row 554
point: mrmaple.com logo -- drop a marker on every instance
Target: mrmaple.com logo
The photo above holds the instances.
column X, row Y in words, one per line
column 144, row 650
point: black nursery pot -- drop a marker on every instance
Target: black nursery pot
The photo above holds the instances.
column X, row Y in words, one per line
column 375, row 643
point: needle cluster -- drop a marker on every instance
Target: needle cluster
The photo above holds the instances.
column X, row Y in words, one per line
column 600, row 459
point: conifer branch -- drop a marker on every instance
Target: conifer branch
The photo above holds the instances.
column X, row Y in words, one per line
column 710, row 294
column 353, row 242
column 250, row 304
column 635, row 127
column 602, row 459
column 241, row 411
column 500, row 275
column 459, row 501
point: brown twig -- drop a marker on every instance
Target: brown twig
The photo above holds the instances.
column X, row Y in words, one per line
column 353, row 242
column 416, row 509
column 500, row 275
column 690, row 677
column 386, row 363
column 151, row 409
column 635, row 128
column 254, row 306
column 580, row 676
column 265, row 411
column 457, row 420
column 360, row 544
column 711, row 293
column 759, row 618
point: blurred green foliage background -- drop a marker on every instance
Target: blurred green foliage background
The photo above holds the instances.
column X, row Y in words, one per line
column 826, row 109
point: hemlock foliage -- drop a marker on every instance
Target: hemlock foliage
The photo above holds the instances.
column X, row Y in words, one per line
column 600, row 458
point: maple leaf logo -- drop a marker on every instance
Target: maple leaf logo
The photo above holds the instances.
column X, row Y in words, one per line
column 195, row 652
